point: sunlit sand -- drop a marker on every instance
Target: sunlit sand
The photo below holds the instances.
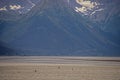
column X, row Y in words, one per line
column 59, row 68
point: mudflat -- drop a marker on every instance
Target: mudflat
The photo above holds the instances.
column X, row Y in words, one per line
column 59, row 68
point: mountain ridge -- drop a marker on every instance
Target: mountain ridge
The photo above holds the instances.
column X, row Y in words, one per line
column 52, row 29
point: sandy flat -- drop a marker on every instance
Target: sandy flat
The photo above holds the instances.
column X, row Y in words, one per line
column 59, row 68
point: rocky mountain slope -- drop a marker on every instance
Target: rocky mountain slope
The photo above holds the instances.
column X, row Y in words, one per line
column 61, row 27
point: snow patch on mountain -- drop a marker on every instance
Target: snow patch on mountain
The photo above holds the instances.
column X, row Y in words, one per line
column 3, row 8
column 87, row 7
column 96, row 11
column 15, row 7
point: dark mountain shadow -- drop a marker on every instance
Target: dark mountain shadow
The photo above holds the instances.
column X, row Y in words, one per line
column 6, row 50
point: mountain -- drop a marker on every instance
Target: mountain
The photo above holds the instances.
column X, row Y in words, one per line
column 61, row 27
column 5, row 50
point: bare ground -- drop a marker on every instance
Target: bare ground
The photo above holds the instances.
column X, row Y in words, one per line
column 46, row 71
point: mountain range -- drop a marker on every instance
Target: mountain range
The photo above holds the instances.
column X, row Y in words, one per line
column 60, row 27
